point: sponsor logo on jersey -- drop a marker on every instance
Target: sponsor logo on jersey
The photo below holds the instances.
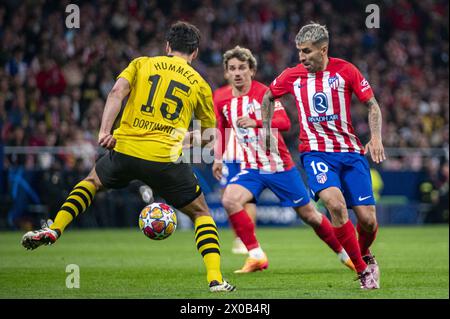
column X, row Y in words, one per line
column 152, row 126
column 325, row 118
column 364, row 85
column 320, row 102
column 278, row 106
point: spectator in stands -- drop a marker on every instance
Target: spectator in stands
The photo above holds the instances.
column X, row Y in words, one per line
column 50, row 80
column 45, row 67
column 62, row 61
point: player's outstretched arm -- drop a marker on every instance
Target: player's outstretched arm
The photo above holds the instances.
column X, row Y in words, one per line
column 112, row 108
column 375, row 145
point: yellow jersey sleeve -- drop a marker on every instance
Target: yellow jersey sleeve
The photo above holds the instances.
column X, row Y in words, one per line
column 205, row 107
column 130, row 71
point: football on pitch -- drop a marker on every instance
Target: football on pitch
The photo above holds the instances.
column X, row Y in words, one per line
column 157, row 221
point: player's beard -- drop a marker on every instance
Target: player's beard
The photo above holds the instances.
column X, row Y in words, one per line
column 318, row 64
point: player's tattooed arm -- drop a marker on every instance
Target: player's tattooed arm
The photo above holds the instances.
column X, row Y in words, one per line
column 374, row 117
column 375, row 145
column 267, row 109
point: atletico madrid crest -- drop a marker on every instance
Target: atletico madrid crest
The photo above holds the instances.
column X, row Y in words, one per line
column 321, row 178
column 334, row 82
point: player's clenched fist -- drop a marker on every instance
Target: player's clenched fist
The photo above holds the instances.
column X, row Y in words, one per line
column 107, row 141
column 245, row 122
column 217, row 170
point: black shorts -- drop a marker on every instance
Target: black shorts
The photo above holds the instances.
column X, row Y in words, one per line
column 175, row 182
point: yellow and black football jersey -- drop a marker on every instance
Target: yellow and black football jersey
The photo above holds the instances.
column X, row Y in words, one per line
column 165, row 92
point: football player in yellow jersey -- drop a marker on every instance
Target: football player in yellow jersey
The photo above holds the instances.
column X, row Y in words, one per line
column 163, row 93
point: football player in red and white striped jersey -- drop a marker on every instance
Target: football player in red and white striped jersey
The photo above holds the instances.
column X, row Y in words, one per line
column 232, row 159
column 332, row 155
column 238, row 108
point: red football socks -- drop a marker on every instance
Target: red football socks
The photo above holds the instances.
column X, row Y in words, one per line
column 365, row 239
column 244, row 228
column 347, row 237
column 326, row 233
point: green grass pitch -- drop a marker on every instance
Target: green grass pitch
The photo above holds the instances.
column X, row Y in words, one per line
column 123, row 263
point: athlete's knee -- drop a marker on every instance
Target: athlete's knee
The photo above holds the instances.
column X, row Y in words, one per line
column 371, row 225
column 368, row 220
column 338, row 212
column 336, row 207
column 93, row 179
column 196, row 208
column 98, row 185
column 231, row 202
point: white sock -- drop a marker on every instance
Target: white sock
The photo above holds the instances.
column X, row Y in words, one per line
column 343, row 256
column 256, row 253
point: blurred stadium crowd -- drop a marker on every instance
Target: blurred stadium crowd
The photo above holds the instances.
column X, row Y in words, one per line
column 54, row 80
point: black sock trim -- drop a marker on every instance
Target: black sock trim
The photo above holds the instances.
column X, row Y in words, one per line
column 82, row 196
column 86, row 190
column 205, row 225
column 206, row 232
column 69, row 210
column 207, row 241
column 76, row 203
column 210, row 251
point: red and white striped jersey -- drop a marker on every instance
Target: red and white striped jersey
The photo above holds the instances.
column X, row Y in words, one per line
column 233, row 151
column 229, row 108
column 323, row 102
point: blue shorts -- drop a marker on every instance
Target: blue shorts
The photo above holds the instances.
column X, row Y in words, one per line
column 229, row 170
column 349, row 172
column 287, row 186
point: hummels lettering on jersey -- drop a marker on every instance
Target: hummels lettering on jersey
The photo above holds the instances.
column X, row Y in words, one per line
column 179, row 69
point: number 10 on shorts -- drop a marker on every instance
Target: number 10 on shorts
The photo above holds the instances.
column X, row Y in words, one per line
column 319, row 167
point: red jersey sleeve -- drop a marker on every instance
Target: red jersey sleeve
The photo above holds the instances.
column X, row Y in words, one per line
column 359, row 84
column 280, row 86
column 280, row 119
column 219, row 146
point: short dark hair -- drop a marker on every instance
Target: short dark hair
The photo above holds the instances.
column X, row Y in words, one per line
column 183, row 37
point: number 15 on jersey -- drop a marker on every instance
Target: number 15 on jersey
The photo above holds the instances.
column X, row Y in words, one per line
column 172, row 106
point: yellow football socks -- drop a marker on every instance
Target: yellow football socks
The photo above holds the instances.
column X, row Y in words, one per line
column 207, row 241
column 78, row 201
